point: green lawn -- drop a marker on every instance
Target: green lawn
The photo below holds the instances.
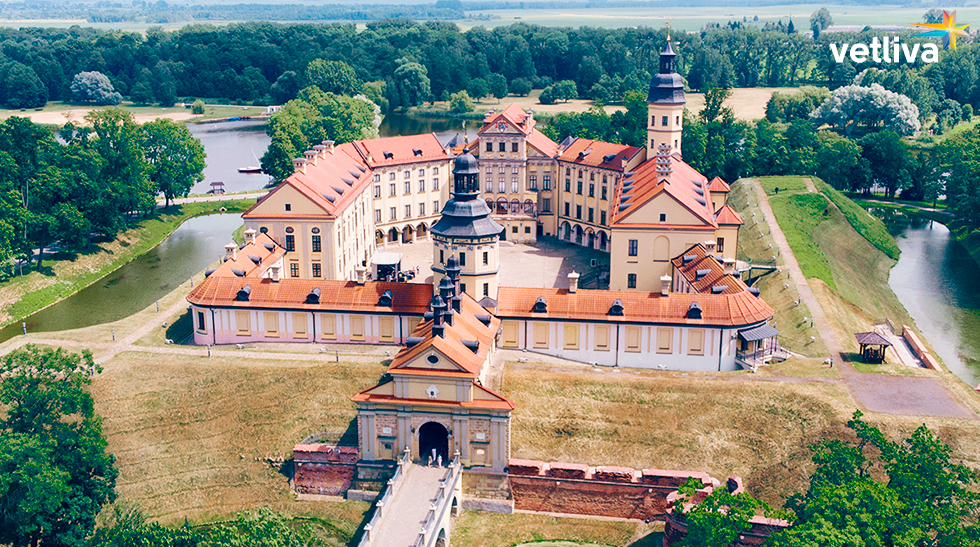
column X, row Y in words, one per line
column 871, row 228
column 787, row 184
column 799, row 215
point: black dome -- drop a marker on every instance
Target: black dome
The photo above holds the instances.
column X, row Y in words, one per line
column 465, row 165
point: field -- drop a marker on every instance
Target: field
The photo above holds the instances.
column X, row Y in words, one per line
column 63, row 274
column 57, row 112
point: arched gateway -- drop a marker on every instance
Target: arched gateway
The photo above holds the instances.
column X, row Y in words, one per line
column 433, row 436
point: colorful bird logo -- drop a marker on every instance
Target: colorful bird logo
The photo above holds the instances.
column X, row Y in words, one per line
column 948, row 29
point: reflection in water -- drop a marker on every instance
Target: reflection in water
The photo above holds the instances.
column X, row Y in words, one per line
column 197, row 243
column 935, row 279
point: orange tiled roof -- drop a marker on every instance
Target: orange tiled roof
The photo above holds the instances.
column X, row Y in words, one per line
column 598, row 151
column 331, row 182
column 222, row 290
column 542, row 143
column 683, row 183
column 514, row 115
column 728, row 216
column 243, row 259
column 741, row 308
column 402, row 150
column 498, row 403
column 712, row 272
column 718, row 185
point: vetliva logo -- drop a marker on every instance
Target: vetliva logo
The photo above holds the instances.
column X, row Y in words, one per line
column 892, row 51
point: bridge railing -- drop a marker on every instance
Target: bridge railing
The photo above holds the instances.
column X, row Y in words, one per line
column 442, row 504
column 394, row 484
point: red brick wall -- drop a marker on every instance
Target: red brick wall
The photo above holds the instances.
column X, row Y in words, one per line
column 605, row 491
column 323, row 469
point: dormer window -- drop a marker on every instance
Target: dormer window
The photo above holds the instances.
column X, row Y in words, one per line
column 616, row 308
column 540, row 305
column 694, row 311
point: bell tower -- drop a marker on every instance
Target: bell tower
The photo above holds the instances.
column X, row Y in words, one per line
column 665, row 105
column 465, row 241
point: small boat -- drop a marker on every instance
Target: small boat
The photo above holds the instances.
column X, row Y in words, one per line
column 250, row 169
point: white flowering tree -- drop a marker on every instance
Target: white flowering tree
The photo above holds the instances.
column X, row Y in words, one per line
column 874, row 107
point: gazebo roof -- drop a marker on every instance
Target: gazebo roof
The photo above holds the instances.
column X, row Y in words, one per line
column 871, row 339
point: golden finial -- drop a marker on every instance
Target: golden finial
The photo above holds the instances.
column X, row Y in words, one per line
column 668, row 30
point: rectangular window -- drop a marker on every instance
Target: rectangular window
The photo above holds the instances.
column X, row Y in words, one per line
column 299, row 325
column 328, row 324
column 290, row 242
column 377, row 177
column 421, row 185
column 513, row 147
column 435, row 206
column 462, row 259
column 502, row 170
column 435, row 184
column 387, row 327
column 377, row 190
column 408, row 186
column 515, row 171
column 442, row 257
column 316, row 269
column 633, row 339
column 566, row 208
column 486, row 258
column 271, row 324
column 579, row 173
column 631, row 281
column 677, row 119
column 604, row 194
column 514, row 186
column 486, row 289
column 663, row 121
column 602, row 218
column 578, row 212
column 289, row 207
column 546, row 205
column 502, row 147
column 489, row 186
column 527, row 229
column 502, row 185
column 579, row 189
column 663, row 217
column 602, row 337
column 665, row 338
column 201, row 325
column 242, row 326
column 377, row 215
column 546, row 182
column 435, row 170
column 421, row 209
column 633, row 247
column 721, row 245
column 571, row 336
column 392, row 214
column 541, row 331
column 408, row 211
column 294, row 269
column 391, row 176
column 509, row 338
column 489, row 147
column 357, row 327
column 568, row 185
column 590, row 214
column 695, row 342
column 422, row 172
column 533, row 182
column 568, row 171
column 513, row 229
column 591, row 190
column 315, row 244
column 407, row 174
column 391, row 189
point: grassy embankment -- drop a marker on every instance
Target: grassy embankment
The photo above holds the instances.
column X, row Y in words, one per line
column 63, row 274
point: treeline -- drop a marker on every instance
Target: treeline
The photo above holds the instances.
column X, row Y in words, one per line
column 89, row 184
column 266, row 63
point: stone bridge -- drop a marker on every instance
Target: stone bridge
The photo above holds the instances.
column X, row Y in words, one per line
column 415, row 508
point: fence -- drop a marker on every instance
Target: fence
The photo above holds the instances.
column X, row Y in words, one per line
column 393, row 484
column 443, row 503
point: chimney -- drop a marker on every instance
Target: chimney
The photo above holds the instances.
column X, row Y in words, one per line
column 310, row 156
column 231, row 251
column 249, row 236
column 299, row 164
column 573, row 282
column 710, row 247
column 438, row 315
column 446, row 288
column 360, row 273
column 328, row 146
column 729, row 265
column 274, row 272
column 665, row 285
column 321, row 150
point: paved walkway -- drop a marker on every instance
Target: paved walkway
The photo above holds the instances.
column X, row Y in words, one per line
column 220, row 197
column 407, row 509
column 875, row 392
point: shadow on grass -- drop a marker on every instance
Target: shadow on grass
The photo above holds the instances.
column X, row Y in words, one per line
column 654, row 539
column 181, row 330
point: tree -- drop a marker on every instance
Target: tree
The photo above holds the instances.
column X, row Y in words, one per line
column 873, row 107
column 412, row 84
column 126, row 526
column 460, row 103
column 54, row 473
column 477, row 88
column 497, row 86
column 94, row 87
column 262, row 528
column 520, row 87
column 819, row 21
column 887, row 154
column 164, row 85
column 175, row 157
column 141, row 93
column 719, row 519
column 123, row 172
column 959, row 162
column 565, row 90
column 21, row 88
column 714, row 101
column 286, row 87
column 839, row 163
column 333, row 77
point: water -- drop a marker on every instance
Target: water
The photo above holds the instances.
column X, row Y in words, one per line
column 230, row 145
column 194, row 245
column 935, row 279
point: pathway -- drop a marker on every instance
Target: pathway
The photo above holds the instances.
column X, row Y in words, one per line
column 407, row 509
column 874, row 392
column 221, row 197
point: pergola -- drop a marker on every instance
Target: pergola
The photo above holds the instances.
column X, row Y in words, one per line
column 873, row 346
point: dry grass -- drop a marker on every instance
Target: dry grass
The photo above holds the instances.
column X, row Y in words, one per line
column 496, row 530
column 187, row 431
column 747, row 103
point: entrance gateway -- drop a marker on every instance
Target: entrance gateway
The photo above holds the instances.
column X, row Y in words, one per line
column 433, row 435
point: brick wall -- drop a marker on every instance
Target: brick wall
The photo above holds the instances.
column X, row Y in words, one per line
column 920, row 349
column 323, row 469
column 486, row 484
column 604, row 491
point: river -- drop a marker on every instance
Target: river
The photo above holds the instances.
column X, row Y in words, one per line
column 935, row 279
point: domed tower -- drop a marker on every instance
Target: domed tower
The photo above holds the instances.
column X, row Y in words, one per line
column 665, row 105
column 467, row 234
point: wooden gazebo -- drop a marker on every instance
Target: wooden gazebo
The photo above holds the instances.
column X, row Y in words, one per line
column 873, row 346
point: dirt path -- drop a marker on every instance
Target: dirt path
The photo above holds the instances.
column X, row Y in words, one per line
column 874, row 392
